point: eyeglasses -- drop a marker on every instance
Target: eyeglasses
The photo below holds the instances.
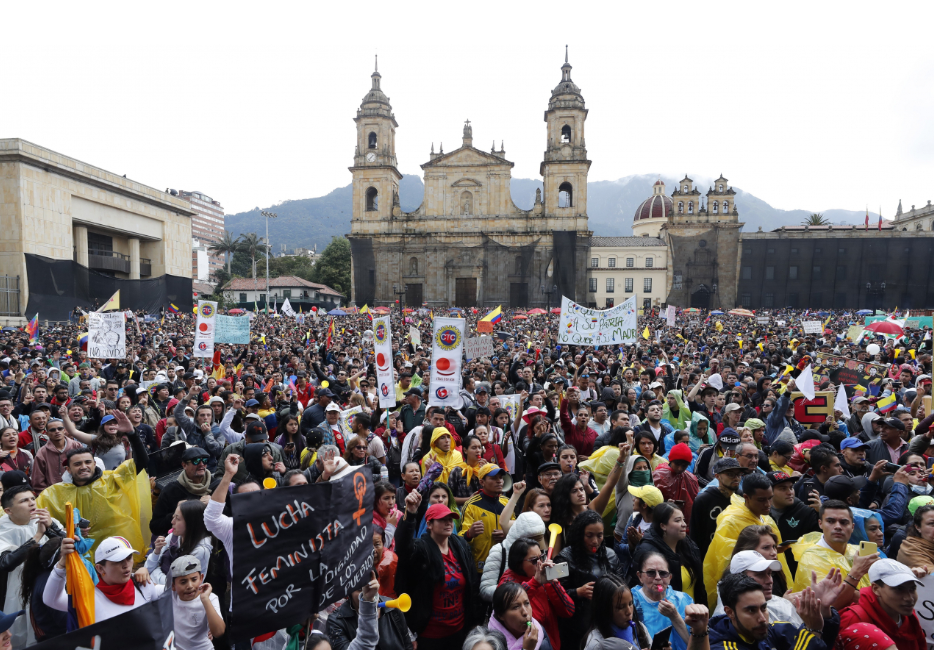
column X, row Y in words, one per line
column 201, row 461
column 749, row 456
column 55, row 429
column 653, row 573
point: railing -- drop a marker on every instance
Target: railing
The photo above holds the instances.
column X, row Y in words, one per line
column 9, row 295
column 145, row 267
column 108, row 261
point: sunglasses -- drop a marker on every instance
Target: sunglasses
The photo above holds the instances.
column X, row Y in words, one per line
column 536, row 559
column 56, row 429
column 199, row 461
column 653, row 573
column 360, row 447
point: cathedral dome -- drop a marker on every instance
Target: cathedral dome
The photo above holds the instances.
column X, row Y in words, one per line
column 656, row 206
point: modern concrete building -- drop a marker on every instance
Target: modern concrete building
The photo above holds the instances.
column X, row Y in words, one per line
column 207, row 226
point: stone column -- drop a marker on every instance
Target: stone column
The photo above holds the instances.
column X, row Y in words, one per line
column 81, row 245
column 134, row 258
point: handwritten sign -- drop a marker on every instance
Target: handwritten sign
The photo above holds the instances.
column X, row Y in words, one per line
column 478, row 346
column 670, row 316
column 149, row 627
column 107, row 335
column 762, row 320
column 232, row 329
column 581, row 325
column 812, row 326
column 925, row 607
column 298, row 550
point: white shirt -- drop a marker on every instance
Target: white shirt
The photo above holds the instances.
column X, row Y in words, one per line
column 191, row 623
column 55, row 597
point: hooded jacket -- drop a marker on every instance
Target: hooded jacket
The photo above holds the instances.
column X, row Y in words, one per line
column 695, row 440
column 683, row 418
column 780, row 636
column 907, row 636
column 867, row 434
column 449, row 460
column 528, row 524
column 253, row 458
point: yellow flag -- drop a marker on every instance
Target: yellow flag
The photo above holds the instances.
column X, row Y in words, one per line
column 645, row 333
column 112, row 303
column 718, row 326
column 740, row 341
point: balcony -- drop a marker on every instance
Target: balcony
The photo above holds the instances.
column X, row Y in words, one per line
column 109, row 261
column 145, row 267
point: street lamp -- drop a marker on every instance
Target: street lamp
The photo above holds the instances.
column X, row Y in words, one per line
column 268, row 215
column 399, row 292
column 549, row 292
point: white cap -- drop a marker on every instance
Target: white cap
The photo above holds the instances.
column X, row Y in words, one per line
column 891, row 573
column 332, row 407
column 732, row 406
column 179, row 368
column 752, row 561
column 656, row 384
column 113, row 549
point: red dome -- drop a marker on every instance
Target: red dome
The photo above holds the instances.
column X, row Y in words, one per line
column 654, row 207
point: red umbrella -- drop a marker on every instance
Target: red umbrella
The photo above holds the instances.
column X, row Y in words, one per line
column 556, row 310
column 520, row 317
column 537, row 311
column 235, row 311
column 885, row 327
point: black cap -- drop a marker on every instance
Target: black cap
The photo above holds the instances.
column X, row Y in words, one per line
column 188, row 375
column 481, row 389
column 256, row 431
column 324, row 392
column 13, row 479
column 728, row 440
column 841, row 487
column 727, row 464
column 895, row 423
column 414, row 390
column 314, row 438
column 195, row 452
column 781, row 477
column 813, row 434
column 547, row 467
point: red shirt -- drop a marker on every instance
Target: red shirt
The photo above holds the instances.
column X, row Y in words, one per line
column 447, row 606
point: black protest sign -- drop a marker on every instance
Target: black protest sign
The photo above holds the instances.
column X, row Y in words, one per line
column 297, row 550
column 149, row 627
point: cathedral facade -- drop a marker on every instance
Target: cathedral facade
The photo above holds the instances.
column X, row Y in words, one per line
column 468, row 244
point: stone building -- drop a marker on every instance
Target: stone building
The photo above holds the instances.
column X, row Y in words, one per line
column 467, row 243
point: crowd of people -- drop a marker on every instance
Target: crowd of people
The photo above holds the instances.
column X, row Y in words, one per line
column 654, row 494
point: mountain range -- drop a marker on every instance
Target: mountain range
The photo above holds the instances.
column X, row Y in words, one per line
column 306, row 223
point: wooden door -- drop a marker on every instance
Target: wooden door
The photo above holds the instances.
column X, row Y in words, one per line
column 465, row 292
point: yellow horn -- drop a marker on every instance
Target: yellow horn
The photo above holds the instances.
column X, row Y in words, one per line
column 269, row 483
column 555, row 530
column 402, row 603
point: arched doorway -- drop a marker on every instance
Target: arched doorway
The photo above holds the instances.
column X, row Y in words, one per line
column 700, row 298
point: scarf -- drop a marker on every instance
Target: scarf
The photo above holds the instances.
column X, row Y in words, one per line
column 119, row 594
column 916, row 551
column 469, row 473
column 515, row 643
column 198, row 489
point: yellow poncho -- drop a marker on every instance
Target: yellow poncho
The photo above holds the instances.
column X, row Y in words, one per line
column 448, row 460
column 820, row 560
column 118, row 503
column 730, row 524
column 600, row 464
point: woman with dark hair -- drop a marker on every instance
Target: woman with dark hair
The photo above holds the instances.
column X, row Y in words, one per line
column 668, row 536
column 11, row 456
column 763, row 540
column 918, row 548
column 647, row 446
column 569, row 497
column 356, row 455
column 385, row 562
column 291, row 440
column 613, row 617
column 46, row 622
column 527, row 567
column 567, row 459
column 189, row 536
column 438, row 493
column 512, row 617
column 385, row 513
column 464, row 479
column 588, row 560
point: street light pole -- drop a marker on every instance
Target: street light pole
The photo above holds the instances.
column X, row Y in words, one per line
column 268, row 216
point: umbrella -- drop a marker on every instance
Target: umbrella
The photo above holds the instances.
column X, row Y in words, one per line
column 864, row 312
column 456, row 309
column 740, row 312
column 885, row 327
column 520, row 317
column 382, row 310
column 716, row 313
column 337, row 312
column 235, row 311
column 556, row 310
column 407, row 310
column 537, row 311
column 823, row 313
column 692, row 310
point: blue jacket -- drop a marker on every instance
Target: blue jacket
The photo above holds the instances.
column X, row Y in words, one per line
column 775, row 423
column 781, row 636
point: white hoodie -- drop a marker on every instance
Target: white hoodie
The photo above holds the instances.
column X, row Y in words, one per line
column 528, row 524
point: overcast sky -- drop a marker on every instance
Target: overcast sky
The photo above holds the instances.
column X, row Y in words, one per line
column 809, row 105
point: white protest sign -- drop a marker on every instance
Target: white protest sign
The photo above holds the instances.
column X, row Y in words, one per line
column 414, row 336
column 232, row 329
column 925, row 607
column 107, row 335
column 812, row 326
column 447, row 351
column 580, row 325
column 478, row 346
column 205, row 329
column 345, row 422
column 762, row 320
column 670, row 316
column 382, row 348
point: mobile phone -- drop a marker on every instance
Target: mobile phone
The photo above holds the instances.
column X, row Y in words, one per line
column 891, row 467
column 557, row 571
column 788, row 542
column 661, row 639
column 868, row 548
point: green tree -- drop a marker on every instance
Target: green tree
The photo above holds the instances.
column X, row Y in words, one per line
column 816, row 219
column 254, row 246
column 333, row 266
column 296, row 265
column 227, row 246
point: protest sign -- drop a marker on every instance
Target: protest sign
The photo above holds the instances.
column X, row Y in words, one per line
column 478, row 346
column 925, row 607
column 148, row 627
column 382, row 348
column 864, row 377
column 512, row 405
column 762, row 320
column 298, row 550
column 107, row 335
column 415, row 336
column 345, row 421
column 232, row 329
column 447, row 351
column 579, row 325
column 813, row 411
column 205, row 329
column 812, row 326
column 912, row 323
column 670, row 316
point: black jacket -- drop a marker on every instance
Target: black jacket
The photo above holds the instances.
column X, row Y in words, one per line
column 708, row 505
column 575, row 628
column 649, row 544
column 171, row 495
column 393, row 632
column 793, row 522
column 421, row 568
column 878, row 450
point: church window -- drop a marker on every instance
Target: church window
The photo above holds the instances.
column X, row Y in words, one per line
column 715, row 206
column 677, row 281
column 768, row 299
column 518, row 265
column 647, row 285
column 371, row 141
column 565, row 195
column 726, row 207
column 593, row 286
column 932, row 225
column 372, row 200
column 792, row 272
column 747, row 273
column 770, row 273
column 628, row 285
column 745, row 299
column 413, row 266
column 611, row 262
column 690, row 207
column 565, row 133
column 680, row 207
column 649, row 262
column 685, row 188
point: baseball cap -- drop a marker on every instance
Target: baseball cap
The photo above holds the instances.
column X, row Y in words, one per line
column 754, row 423
column 490, row 469
column 113, row 549
column 780, row 477
column 752, row 561
column 7, row 620
column 891, row 573
column 728, row 440
column 184, row 565
column 439, row 511
column 481, row 389
column 333, row 406
column 650, row 494
column 913, row 505
column 859, row 400
column 414, row 390
column 895, row 423
column 840, row 487
column 852, row 443
column 547, row 467
column 251, row 402
column 727, row 464
column 256, row 431
column 106, row 419
column 732, row 407
column 323, row 392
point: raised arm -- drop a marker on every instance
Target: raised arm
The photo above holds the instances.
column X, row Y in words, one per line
column 505, row 517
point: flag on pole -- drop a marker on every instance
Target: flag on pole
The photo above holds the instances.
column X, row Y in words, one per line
column 32, row 328
column 112, row 303
column 645, row 333
column 173, row 308
column 494, row 316
column 887, row 404
column 880, row 223
column 867, row 218
column 78, row 583
column 366, row 310
column 330, row 334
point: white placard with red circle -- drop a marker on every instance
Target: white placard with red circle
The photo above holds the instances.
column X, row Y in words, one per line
column 382, row 349
column 447, row 351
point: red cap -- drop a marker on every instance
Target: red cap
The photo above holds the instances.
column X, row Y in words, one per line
column 680, row 452
column 439, row 511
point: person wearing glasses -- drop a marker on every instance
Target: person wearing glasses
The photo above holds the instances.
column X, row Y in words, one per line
column 659, row 605
column 194, row 483
column 49, row 466
column 356, row 454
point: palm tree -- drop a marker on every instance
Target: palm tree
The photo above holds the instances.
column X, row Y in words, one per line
column 816, row 219
column 226, row 246
column 252, row 245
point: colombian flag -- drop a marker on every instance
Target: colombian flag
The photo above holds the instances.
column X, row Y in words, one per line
column 494, row 316
column 366, row 310
column 330, row 333
column 32, row 328
column 172, row 308
column 887, row 404
column 83, row 342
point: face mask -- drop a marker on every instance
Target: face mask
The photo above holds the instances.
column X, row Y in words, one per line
column 921, row 489
column 640, row 477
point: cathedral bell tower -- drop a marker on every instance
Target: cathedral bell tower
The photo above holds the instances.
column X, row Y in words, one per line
column 565, row 166
column 375, row 177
